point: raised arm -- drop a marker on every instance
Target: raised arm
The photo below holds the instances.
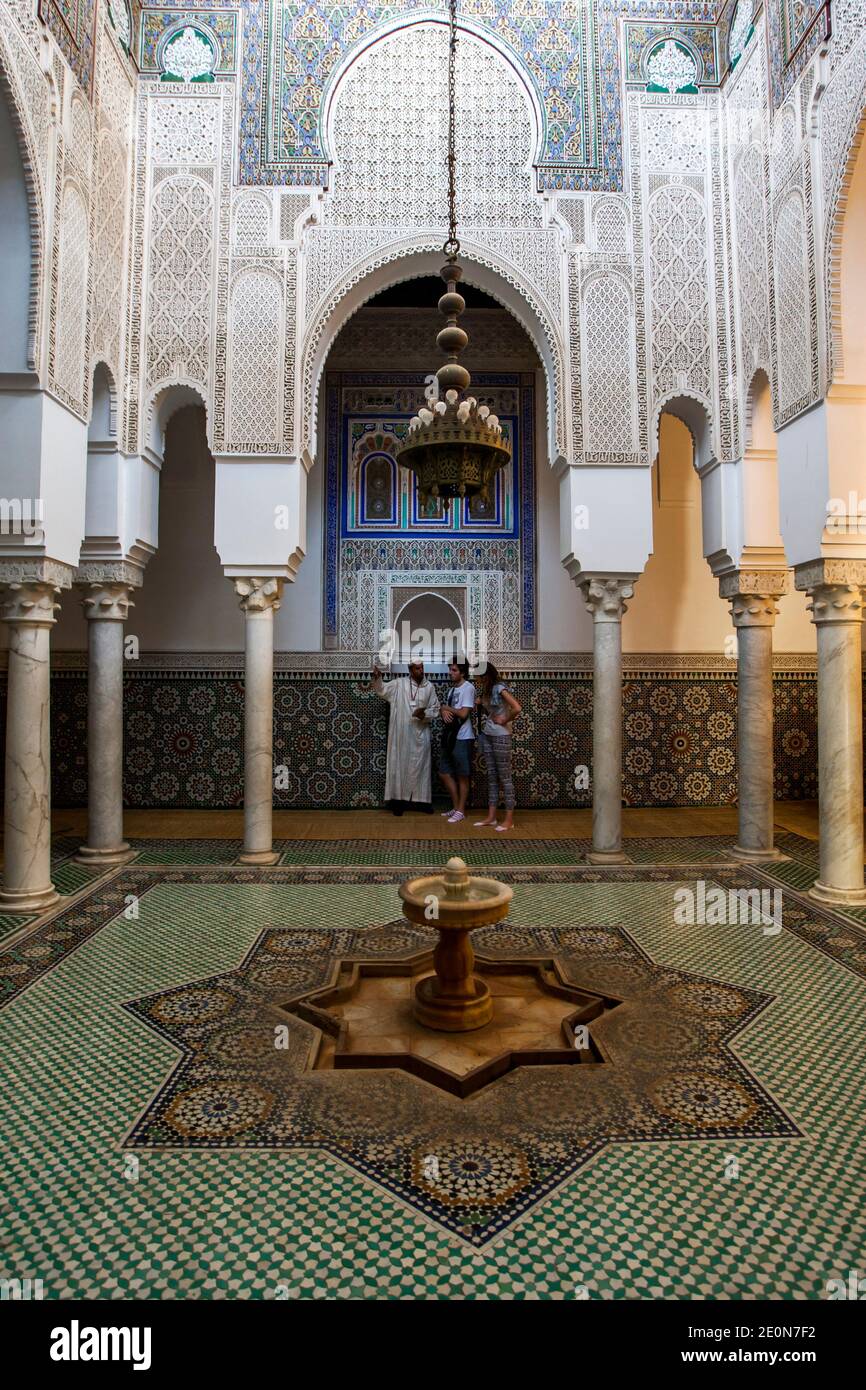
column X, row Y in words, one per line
column 378, row 687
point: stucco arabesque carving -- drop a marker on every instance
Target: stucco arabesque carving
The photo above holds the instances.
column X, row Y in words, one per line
column 324, row 322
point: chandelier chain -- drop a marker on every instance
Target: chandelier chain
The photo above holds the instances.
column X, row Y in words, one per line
column 452, row 245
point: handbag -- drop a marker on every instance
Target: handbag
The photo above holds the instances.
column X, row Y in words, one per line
column 448, row 737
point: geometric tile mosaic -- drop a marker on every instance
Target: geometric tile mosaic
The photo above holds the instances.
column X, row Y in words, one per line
column 475, row 1167
column 183, row 740
column 737, row 1218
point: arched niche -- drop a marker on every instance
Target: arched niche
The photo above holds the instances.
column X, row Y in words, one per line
column 695, row 415
column 676, row 605
column 759, row 432
column 185, row 603
column 102, row 429
column 760, row 486
column 367, row 105
column 103, row 509
column 429, row 628
column 163, row 404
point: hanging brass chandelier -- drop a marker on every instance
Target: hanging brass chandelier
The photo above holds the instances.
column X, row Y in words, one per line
column 454, row 446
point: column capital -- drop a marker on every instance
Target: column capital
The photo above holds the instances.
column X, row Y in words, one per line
column 29, row 605
column 606, row 596
column 836, row 603
column 752, row 595
column 106, row 602
column 259, row 593
column 835, row 589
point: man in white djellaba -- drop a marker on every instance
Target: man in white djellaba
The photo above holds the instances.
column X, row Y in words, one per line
column 414, row 706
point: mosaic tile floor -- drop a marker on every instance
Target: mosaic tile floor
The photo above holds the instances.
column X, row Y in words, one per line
column 481, row 847
column 668, row 1217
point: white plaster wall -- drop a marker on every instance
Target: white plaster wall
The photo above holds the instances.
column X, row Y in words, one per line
column 564, row 625
column 676, row 606
column 298, row 625
column 186, row 605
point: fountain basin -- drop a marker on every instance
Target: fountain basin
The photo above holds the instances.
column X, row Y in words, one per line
column 454, row 999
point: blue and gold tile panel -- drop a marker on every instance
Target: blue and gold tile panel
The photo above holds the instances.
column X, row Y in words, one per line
column 73, row 25
column 159, row 26
column 797, row 29
column 644, row 38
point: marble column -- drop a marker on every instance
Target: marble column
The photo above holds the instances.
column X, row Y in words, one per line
column 106, row 606
column 753, row 595
column 29, row 609
column 260, row 598
column 835, row 589
column 605, row 599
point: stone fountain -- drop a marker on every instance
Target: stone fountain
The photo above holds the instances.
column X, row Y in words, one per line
column 454, row 999
column 455, row 1029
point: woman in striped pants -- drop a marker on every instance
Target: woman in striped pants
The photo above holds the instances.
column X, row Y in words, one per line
column 498, row 709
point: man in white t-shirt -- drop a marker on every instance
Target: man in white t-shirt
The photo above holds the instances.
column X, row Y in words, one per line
column 455, row 762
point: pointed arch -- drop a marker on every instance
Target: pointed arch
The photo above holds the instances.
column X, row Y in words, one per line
column 165, row 401
column 696, row 414
column 412, row 259
column 405, row 21
column 102, row 428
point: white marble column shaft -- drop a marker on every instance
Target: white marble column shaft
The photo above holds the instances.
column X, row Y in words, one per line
column 260, row 598
column 106, row 607
column 29, row 610
column 836, row 603
column 606, row 600
column 753, row 597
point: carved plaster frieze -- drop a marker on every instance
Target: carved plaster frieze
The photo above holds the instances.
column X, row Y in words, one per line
column 755, row 581
column 110, row 572
column 39, row 570
column 349, row 664
column 830, row 572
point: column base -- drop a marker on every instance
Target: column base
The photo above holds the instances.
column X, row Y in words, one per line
column 93, row 858
column 606, row 856
column 756, row 856
column 837, row 897
column 29, row 902
column 258, row 856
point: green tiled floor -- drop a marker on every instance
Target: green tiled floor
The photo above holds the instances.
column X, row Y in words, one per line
column 803, row 870
column 13, row 921
column 662, row 1219
column 484, row 847
column 187, row 851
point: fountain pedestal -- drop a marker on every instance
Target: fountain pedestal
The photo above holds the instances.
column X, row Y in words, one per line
column 454, row 999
